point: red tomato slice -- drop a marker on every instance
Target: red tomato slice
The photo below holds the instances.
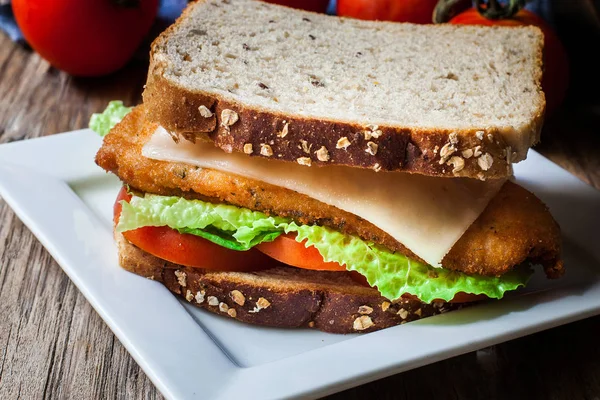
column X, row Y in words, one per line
column 194, row 251
column 190, row 250
column 288, row 251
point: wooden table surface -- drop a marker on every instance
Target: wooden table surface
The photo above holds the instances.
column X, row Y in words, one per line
column 54, row 345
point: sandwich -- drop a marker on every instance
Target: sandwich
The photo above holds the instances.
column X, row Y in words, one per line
column 298, row 170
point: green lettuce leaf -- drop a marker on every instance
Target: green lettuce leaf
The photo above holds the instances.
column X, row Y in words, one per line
column 227, row 240
column 240, row 229
column 395, row 274
column 102, row 123
column 246, row 227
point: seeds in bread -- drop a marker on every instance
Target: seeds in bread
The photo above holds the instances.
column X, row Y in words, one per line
column 321, row 78
column 282, row 297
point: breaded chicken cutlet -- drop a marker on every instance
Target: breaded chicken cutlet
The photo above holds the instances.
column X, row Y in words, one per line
column 516, row 227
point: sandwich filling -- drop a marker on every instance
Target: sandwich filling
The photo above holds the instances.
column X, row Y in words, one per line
column 426, row 214
column 240, row 214
column 241, row 229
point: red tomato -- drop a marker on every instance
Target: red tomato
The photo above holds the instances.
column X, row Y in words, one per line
column 310, row 5
column 190, row 250
column 555, row 80
column 417, row 11
column 85, row 37
column 288, row 251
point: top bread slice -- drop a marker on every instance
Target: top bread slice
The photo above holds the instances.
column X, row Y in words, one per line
column 271, row 81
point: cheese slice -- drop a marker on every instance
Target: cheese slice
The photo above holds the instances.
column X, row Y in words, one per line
column 426, row 214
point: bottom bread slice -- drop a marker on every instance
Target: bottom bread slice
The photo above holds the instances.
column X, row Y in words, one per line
column 283, row 297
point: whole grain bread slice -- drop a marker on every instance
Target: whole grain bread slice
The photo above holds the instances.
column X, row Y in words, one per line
column 282, row 297
column 270, row 81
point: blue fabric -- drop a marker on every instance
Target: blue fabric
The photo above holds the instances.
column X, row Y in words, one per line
column 8, row 24
column 331, row 9
column 169, row 10
column 543, row 8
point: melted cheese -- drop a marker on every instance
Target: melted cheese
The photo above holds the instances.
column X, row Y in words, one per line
column 428, row 215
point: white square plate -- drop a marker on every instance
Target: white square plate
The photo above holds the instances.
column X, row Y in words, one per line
column 57, row 190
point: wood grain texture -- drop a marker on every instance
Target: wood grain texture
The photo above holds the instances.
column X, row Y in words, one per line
column 54, row 345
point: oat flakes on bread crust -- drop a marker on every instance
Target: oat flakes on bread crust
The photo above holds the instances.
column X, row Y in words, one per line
column 281, row 297
column 484, row 93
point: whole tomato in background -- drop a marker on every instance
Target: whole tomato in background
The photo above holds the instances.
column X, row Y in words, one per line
column 416, row 11
column 555, row 80
column 85, row 37
column 310, row 5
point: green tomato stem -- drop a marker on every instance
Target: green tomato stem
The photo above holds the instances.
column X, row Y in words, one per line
column 493, row 9
column 445, row 10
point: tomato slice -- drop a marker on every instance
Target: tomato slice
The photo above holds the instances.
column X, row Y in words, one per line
column 194, row 251
column 190, row 250
column 288, row 251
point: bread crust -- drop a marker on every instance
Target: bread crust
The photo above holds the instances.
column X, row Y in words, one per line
column 409, row 149
column 292, row 297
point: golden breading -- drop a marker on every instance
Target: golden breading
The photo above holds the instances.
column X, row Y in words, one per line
column 515, row 227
